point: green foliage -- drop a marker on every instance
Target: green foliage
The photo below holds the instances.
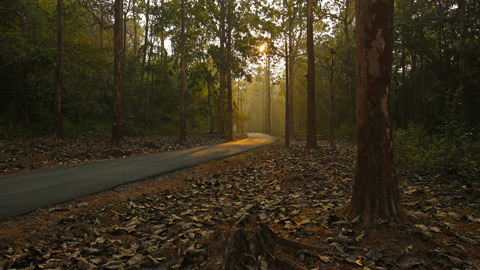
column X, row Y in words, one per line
column 451, row 150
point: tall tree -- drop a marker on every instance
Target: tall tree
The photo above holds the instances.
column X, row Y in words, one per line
column 145, row 44
column 332, row 84
column 461, row 70
column 183, row 135
column 287, row 100
column 221, row 62
column 58, row 73
column 229, row 136
column 117, row 129
column 375, row 191
column 347, row 20
column 311, row 125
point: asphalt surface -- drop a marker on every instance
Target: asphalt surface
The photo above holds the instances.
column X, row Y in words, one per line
column 25, row 193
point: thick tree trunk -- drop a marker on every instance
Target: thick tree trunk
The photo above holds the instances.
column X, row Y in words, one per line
column 58, row 73
column 311, row 124
column 229, row 136
column 183, row 135
column 221, row 62
column 375, row 191
column 117, row 129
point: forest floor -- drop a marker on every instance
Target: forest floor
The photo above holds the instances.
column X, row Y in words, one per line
column 275, row 208
column 25, row 155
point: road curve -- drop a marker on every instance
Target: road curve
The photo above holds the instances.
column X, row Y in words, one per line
column 24, row 193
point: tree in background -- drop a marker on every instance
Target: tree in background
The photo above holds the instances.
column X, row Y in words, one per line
column 183, row 136
column 375, row 191
column 58, row 74
column 117, row 129
column 311, row 123
column 229, row 136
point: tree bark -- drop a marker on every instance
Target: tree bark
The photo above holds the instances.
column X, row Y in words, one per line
column 375, row 191
column 117, row 129
column 221, row 61
column 229, row 136
column 58, row 73
column 311, row 124
column 183, row 135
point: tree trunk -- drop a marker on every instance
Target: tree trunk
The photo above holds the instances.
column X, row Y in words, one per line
column 58, row 73
column 135, row 42
column 287, row 103
column 348, row 63
column 101, row 26
column 461, row 68
column 210, row 109
column 117, row 129
column 332, row 102
column 142, row 70
column 291, row 83
column 311, row 124
column 268, row 121
column 183, row 135
column 24, row 84
column 229, row 136
column 424, row 98
column 375, row 191
column 221, row 61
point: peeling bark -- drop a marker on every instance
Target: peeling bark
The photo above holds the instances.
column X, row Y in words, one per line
column 375, row 192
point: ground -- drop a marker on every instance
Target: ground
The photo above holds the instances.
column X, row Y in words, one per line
column 276, row 208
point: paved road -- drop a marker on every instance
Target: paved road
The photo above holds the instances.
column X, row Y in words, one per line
column 27, row 192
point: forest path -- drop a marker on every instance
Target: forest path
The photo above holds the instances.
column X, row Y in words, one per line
column 22, row 194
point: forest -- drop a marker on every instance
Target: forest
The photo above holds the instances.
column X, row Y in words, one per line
column 373, row 104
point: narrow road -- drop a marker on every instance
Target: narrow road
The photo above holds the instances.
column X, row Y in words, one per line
column 24, row 193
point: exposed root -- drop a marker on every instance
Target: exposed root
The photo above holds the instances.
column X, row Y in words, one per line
column 254, row 245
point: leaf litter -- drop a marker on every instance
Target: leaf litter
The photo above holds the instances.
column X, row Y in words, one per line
column 272, row 209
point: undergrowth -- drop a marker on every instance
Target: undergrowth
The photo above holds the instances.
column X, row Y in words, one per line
column 448, row 150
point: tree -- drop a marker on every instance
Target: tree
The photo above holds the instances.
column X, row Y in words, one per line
column 183, row 136
column 311, row 125
column 375, row 191
column 221, row 61
column 58, row 73
column 229, row 136
column 461, row 68
column 117, row 129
